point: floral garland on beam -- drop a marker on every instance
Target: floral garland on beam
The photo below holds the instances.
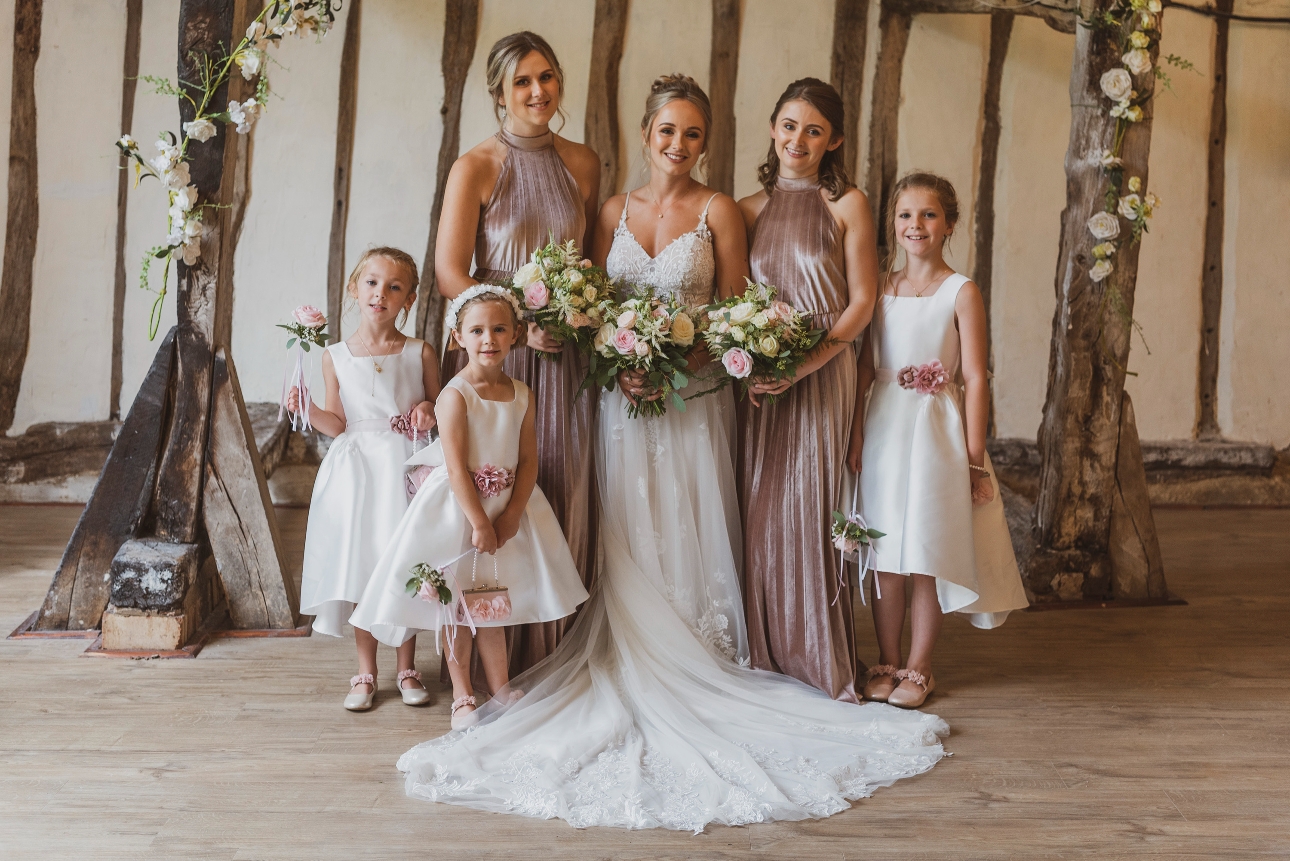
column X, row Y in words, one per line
column 277, row 20
column 1135, row 25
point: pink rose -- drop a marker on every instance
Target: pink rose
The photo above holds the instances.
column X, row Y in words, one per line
column 492, row 480
column 737, row 363
column 624, row 341
column 585, row 264
column 578, row 320
column 642, row 349
column 536, row 296
column 309, row 317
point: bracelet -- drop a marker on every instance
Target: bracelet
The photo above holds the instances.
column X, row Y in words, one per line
column 980, row 469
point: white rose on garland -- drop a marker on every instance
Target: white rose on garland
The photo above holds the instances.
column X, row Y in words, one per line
column 1104, row 226
column 177, row 177
column 249, row 61
column 200, row 130
column 1129, row 206
column 1103, row 250
column 1138, row 61
column 243, row 115
column 1100, row 270
column 1117, row 84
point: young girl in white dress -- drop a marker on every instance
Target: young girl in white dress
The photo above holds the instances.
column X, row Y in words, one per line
column 481, row 493
column 925, row 477
column 374, row 376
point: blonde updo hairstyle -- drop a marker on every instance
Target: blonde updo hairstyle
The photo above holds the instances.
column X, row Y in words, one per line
column 398, row 257
column 521, row 330
column 935, row 183
column 669, row 88
column 506, row 54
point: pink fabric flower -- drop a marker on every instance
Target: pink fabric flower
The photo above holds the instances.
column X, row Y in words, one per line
column 536, row 296
column 496, row 609
column 492, row 480
column 624, row 341
column 413, row 480
column 309, row 317
column 925, row 379
column 737, row 363
column 404, row 425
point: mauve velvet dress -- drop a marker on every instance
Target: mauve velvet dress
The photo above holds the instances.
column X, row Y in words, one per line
column 792, row 457
column 534, row 200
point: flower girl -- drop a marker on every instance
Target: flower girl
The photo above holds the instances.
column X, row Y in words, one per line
column 919, row 446
column 481, row 505
column 381, row 388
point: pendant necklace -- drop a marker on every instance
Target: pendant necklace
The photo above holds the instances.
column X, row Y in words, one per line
column 918, row 294
column 657, row 205
column 376, row 366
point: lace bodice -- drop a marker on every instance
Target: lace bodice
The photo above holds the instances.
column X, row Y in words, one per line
column 684, row 268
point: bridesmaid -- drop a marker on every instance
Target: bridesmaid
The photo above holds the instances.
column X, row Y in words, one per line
column 504, row 199
column 812, row 236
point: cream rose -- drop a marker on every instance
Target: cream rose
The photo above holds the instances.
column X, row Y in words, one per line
column 743, row 312
column 1139, row 39
column 1104, row 225
column 1117, row 84
column 768, row 346
column 760, row 320
column 177, row 177
column 1138, row 61
column 1100, row 270
column 737, row 333
column 200, row 130
column 604, row 336
column 683, row 329
column 574, row 277
column 1103, row 250
column 526, row 275
column 1129, row 205
column 642, row 349
column 589, row 293
column 627, row 319
column 1135, row 183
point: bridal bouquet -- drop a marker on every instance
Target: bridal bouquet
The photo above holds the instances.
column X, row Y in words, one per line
column 756, row 336
column 644, row 333
column 564, row 293
column 308, row 328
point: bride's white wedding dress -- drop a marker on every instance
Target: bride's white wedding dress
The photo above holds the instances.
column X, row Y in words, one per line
column 647, row 715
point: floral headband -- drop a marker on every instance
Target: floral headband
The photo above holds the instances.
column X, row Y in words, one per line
column 479, row 290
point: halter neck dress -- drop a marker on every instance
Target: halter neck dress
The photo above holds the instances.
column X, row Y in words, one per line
column 792, row 459
column 535, row 198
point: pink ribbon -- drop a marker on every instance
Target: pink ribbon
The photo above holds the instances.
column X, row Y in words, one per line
column 296, row 379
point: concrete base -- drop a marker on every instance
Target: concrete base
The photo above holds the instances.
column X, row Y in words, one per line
column 161, row 593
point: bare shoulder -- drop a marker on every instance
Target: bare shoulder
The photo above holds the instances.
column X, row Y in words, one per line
column 851, row 209
column 723, row 211
column 579, row 157
column 751, row 206
column 969, row 297
column 451, row 401
column 484, row 158
column 613, row 208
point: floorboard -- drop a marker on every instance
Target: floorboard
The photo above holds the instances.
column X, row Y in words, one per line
column 1146, row 733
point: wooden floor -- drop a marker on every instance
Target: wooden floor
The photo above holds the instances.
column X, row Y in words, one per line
column 1143, row 733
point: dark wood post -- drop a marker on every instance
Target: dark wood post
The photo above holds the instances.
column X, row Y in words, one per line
column 850, row 32
column 601, row 130
column 346, row 112
column 884, row 118
column 723, row 77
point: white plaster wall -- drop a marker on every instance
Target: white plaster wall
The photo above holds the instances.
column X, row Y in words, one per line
column 67, row 374
column 655, row 45
column 281, row 259
column 397, row 132
column 779, row 43
column 566, row 25
column 1167, row 299
column 1255, row 353
column 1030, row 192
column 147, row 204
column 942, row 87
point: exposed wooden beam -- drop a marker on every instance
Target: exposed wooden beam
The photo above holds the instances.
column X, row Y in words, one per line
column 1082, row 423
column 1211, row 273
column 460, row 31
column 1061, row 15
column 723, row 78
column 983, row 252
column 850, row 33
column 24, row 208
column 884, row 119
column 129, row 84
column 346, row 111
column 601, row 131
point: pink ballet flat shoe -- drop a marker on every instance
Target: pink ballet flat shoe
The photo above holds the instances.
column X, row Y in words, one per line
column 880, row 681
column 914, row 694
column 465, row 719
column 357, row 701
column 417, row 696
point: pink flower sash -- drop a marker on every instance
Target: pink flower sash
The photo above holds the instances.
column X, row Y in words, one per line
column 493, row 480
column 928, row 379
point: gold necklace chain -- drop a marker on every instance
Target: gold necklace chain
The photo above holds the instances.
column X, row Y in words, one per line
column 918, row 294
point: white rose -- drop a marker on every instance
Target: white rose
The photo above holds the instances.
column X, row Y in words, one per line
column 604, row 335
column 200, row 130
column 1129, row 205
column 737, row 334
column 768, row 346
column 1100, row 270
column 574, row 277
column 759, row 320
column 185, row 198
column 167, row 149
column 527, row 274
column 1138, row 61
column 177, row 177
column 1104, row 225
column 743, row 312
column 723, row 327
column 244, row 114
column 159, row 163
column 589, row 294
column 1117, row 84
column 627, row 319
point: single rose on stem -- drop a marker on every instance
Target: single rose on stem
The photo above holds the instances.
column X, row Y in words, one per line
column 309, row 317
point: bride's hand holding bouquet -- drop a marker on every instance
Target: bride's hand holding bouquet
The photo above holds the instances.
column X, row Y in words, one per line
column 565, row 296
column 644, row 348
column 760, row 341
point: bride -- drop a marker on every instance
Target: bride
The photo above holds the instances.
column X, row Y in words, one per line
column 647, row 714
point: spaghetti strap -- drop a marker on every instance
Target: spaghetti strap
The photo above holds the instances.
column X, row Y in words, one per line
column 622, row 219
column 703, row 217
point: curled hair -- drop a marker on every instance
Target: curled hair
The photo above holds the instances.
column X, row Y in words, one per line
column 669, row 88
column 935, row 183
column 397, row 256
column 825, row 99
column 506, row 54
column 521, row 330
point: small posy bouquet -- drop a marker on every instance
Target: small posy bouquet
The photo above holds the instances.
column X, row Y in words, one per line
column 429, row 584
column 854, row 541
column 564, row 293
column 758, row 337
column 644, row 333
column 308, row 328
